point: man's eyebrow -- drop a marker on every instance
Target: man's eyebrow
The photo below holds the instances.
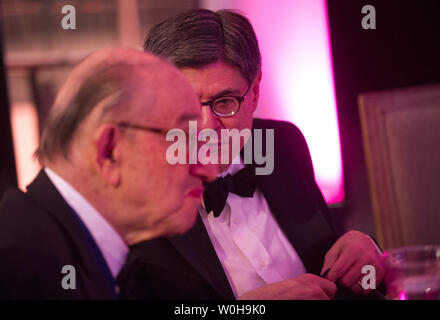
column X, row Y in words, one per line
column 226, row 92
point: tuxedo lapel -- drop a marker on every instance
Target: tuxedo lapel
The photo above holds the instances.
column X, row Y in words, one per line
column 196, row 247
column 293, row 196
column 302, row 222
column 98, row 280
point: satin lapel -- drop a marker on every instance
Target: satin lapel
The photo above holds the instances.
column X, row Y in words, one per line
column 44, row 194
column 196, row 247
column 293, row 196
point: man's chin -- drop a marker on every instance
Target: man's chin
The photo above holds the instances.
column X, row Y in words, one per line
column 185, row 218
column 191, row 216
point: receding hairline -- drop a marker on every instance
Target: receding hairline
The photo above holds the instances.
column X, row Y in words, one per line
column 103, row 79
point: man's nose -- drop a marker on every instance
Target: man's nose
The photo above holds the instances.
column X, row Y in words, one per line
column 209, row 119
column 206, row 172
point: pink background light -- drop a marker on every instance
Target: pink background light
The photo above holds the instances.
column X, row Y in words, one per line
column 297, row 84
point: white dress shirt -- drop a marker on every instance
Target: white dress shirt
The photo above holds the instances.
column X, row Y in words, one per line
column 250, row 245
column 109, row 242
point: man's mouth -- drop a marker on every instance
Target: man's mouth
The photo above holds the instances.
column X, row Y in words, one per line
column 196, row 192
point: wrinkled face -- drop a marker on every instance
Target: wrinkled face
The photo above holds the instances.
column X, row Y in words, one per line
column 219, row 80
column 165, row 196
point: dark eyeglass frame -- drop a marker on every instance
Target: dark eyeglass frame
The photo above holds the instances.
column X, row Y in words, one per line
column 239, row 99
column 124, row 124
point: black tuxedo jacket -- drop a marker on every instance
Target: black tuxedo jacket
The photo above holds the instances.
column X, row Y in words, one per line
column 187, row 267
column 39, row 234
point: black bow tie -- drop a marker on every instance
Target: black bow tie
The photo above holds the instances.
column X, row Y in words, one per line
column 243, row 183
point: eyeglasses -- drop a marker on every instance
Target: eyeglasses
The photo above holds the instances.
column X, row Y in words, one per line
column 139, row 127
column 227, row 106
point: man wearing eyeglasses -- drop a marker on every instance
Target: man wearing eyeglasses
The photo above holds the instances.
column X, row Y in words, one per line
column 105, row 182
column 269, row 237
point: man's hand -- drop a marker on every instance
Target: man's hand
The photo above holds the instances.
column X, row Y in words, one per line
column 305, row 287
column 346, row 258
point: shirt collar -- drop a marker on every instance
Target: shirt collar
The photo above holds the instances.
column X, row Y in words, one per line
column 112, row 247
column 234, row 167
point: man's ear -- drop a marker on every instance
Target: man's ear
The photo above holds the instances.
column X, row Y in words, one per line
column 256, row 91
column 108, row 155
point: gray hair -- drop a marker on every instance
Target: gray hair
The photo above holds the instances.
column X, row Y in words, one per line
column 105, row 79
column 199, row 37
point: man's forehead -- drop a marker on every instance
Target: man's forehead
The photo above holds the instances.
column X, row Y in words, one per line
column 175, row 119
column 214, row 80
column 180, row 113
column 168, row 106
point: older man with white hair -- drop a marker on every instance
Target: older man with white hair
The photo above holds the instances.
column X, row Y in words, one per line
column 105, row 182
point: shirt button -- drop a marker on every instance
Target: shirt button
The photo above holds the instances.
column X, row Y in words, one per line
column 117, row 290
column 236, row 221
column 262, row 263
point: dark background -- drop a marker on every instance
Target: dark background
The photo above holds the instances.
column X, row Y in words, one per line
column 402, row 51
column 7, row 161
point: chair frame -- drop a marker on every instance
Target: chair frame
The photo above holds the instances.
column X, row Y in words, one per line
column 373, row 108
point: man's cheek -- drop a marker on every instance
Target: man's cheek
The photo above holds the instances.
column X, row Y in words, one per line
column 230, row 123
